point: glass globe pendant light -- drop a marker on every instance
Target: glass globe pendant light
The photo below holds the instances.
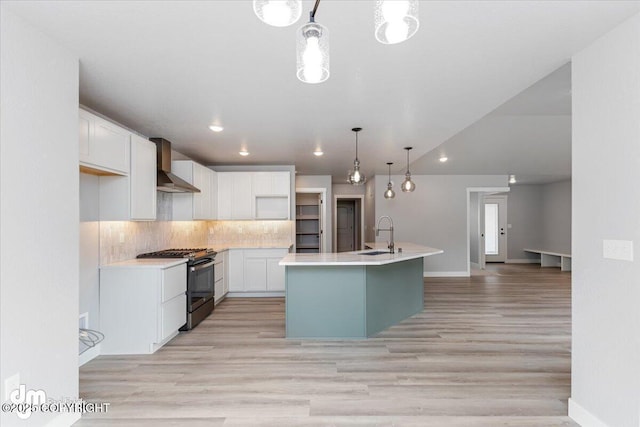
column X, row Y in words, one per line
column 389, row 193
column 408, row 185
column 312, row 47
column 396, row 20
column 279, row 13
column 356, row 177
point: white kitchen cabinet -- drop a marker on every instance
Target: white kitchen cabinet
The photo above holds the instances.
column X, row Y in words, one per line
column 254, row 195
column 195, row 206
column 103, row 146
column 131, row 197
column 236, row 270
column 235, row 197
column 141, row 307
column 271, row 192
column 220, row 274
column 256, row 270
column 271, row 184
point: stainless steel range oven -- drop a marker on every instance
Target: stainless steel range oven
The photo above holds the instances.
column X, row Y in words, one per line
column 200, row 281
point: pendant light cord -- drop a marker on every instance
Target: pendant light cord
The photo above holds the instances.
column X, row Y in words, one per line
column 408, row 160
column 356, row 144
column 312, row 14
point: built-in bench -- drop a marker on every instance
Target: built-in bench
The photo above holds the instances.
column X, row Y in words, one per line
column 553, row 259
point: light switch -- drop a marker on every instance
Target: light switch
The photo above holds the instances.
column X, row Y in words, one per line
column 617, row 249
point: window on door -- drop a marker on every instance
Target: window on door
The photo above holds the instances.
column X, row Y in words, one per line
column 492, row 241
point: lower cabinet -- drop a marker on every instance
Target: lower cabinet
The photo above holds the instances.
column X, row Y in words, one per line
column 256, row 270
column 141, row 308
column 221, row 266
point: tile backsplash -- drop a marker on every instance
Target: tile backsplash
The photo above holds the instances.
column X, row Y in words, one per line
column 122, row 240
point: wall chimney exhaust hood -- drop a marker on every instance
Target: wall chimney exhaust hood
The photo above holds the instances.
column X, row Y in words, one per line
column 167, row 181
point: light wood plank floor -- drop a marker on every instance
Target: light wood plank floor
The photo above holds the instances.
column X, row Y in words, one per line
column 490, row 350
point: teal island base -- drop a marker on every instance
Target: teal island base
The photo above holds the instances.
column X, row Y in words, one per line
column 351, row 301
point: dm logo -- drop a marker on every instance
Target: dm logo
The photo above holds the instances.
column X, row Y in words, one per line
column 26, row 400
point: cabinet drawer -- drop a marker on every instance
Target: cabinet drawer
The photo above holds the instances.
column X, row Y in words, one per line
column 218, row 272
column 174, row 315
column 174, row 282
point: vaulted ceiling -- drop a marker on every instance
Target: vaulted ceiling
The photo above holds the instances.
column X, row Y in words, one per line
column 171, row 69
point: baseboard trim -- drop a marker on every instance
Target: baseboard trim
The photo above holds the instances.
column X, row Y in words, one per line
column 89, row 355
column 522, row 261
column 446, row 274
column 64, row 419
column 583, row 417
column 255, row 294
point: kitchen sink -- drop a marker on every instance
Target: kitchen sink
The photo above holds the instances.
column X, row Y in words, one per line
column 374, row 253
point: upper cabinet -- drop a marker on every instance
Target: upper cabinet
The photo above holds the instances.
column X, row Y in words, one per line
column 234, row 195
column 253, row 195
column 195, row 206
column 132, row 197
column 104, row 146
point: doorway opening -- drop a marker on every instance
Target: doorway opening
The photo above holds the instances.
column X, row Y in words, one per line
column 349, row 223
column 310, row 220
column 477, row 223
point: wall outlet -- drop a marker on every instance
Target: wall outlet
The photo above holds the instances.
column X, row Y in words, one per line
column 240, row 230
column 121, row 237
column 210, row 230
column 617, row 249
column 10, row 384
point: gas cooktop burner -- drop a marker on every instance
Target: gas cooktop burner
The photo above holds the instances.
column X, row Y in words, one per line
column 179, row 253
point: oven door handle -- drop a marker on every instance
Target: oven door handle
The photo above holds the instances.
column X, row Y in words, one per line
column 201, row 266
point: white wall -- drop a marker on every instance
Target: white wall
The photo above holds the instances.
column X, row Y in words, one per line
column 556, row 216
column 38, row 215
column 320, row 181
column 435, row 215
column 524, row 213
column 605, row 383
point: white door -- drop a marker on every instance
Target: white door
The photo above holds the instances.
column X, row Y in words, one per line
column 495, row 228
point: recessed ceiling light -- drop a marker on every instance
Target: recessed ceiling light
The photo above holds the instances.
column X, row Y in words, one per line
column 318, row 153
column 216, row 128
column 443, row 159
column 243, row 153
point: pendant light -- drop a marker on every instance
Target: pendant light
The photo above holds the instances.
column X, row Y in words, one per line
column 313, row 50
column 389, row 193
column 396, row 20
column 356, row 177
column 408, row 185
column 279, row 13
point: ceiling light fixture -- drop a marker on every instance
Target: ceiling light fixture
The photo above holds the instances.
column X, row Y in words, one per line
column 313, row 50
column 216, row 128
column 389, row 193
column 396, row 20
column 356, row 177
column 318, row 153
column 408, row 185
column 279, row 13
column 243, row 152
column 443, row 159
column 512, row 179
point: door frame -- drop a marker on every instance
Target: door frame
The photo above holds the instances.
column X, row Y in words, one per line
column 485, row 191
column 336, row 197
column 323, row 215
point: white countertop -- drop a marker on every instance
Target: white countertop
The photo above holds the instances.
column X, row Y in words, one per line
column 160, row 263
column 409, row 251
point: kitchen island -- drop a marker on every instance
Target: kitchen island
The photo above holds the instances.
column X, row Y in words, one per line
column 353, row 295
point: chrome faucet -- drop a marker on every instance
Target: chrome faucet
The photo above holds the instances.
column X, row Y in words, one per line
column 390, row 243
